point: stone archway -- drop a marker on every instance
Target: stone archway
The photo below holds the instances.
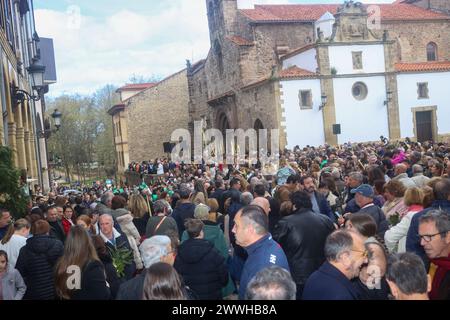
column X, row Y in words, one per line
column 222, row 123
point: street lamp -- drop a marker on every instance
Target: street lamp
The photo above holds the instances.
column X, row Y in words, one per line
column 324, row 99
column 56, row 115
column 47, row 131
column 36, row 71
column 388, row 97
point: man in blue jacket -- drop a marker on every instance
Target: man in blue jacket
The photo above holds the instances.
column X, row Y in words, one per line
column 441, row 191
column 251, row 230
column 345, row 253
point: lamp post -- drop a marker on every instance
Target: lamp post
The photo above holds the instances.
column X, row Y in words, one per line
column 36, row 72
column 324, row 100
column 388, row 97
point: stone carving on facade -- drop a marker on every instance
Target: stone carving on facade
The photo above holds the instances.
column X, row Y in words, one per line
column 351, row 23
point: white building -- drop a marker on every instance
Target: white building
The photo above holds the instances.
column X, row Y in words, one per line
column 350, row 82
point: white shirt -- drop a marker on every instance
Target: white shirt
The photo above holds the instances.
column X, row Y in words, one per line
column 12, row 248
column 160, row 169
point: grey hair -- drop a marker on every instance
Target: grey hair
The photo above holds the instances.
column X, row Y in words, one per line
column 408, row 272
column 246, row 198
column 271, row 283
column 356, row 176
column 441, row 218
column 153, row 249
column 417, row 168
column 338, row 242
column 106, row 197
column 106, row 215
column 159, row 206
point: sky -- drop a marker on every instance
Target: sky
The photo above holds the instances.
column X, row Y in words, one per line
column 99, row 42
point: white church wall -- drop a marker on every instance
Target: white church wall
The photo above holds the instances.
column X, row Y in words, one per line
column 373, row 60
column 305, row 60
column 361, row 120
column 438, row 93
column 303, row 126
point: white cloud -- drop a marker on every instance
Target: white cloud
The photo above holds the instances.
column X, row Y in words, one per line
column 111, row 49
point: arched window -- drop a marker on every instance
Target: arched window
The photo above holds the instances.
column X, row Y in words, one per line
column 431, row 51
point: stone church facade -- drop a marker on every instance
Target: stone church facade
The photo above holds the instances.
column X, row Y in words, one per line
column 237, row 85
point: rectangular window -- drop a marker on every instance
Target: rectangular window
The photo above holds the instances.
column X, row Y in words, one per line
column 422, row 90
column 305, row 99
column 8, row 22
column 357, row 60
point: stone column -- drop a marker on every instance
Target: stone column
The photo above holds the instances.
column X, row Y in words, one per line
column 26, row 126
column 11, row 123
column 21, row 154
column 12, row 141
column 390, row 54
column 326, row 87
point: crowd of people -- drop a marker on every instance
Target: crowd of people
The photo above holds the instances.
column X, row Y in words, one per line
column 354, row 222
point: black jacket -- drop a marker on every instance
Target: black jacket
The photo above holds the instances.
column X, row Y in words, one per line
column 218, row 195
column 182, row 212
column 36, row 263
column 302, row 236
column 111, row 275
column 202, row 267
column 57, row 230
column 122, row 242
column 93, row 283
column 141, row 223
column 378, row 215
column 132, row 289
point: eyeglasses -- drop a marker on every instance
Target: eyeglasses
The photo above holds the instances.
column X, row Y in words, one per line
column 429, row 237
column 364, row 253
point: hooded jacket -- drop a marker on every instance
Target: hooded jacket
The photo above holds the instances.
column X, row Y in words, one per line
column 202, row 267
column 36, row 263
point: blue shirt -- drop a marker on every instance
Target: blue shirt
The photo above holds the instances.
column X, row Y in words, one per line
column 263, row 253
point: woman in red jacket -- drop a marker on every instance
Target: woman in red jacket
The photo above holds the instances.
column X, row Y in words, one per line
column 67, row 219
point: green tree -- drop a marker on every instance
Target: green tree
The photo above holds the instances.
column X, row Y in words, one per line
column 11, row 195
column 86, row 135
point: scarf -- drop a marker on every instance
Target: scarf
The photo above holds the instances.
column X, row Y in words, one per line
column 443, row 266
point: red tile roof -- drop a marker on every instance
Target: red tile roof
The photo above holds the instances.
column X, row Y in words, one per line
column 296, row 72
column 312, row 12
column 423, row 66
column 137, row 86
column 240, row 41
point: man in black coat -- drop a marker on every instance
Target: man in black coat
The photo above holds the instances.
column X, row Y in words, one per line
column 37, row 260
column 218, row 194
column 202, row 267
column 115, row 240
column 184, row 210
column 302, row 236
column 319, row 202
column 364, row 197
column 56, row 227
